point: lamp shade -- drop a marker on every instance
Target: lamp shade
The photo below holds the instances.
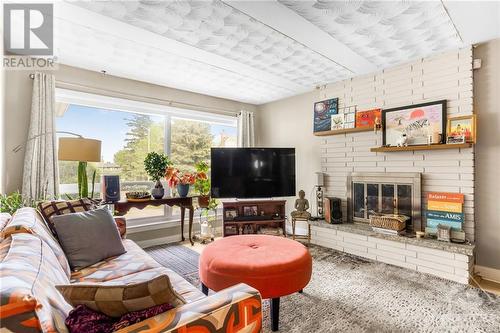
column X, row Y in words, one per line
column 79, row 149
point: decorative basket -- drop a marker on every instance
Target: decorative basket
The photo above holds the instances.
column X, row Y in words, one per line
column 388, row 221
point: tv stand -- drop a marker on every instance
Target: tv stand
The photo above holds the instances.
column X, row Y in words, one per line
column 241, row 217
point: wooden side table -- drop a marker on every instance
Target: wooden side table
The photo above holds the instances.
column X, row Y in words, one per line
column 294, row 222
column 122, row 207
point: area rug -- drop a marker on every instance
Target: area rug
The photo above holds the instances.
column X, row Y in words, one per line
column 178, row 258
column 351, row 294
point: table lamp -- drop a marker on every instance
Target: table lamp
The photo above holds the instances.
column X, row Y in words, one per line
column 82, row 150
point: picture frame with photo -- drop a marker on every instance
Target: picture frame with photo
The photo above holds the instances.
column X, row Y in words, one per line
column 338, row 121
column 463, row 125
column 230, row 214
column 367, row 118
column 250, row 211
column 417, row 122
column 323, row 112
column 455, row 140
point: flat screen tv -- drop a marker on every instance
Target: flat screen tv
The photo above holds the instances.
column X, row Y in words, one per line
column 252, row 172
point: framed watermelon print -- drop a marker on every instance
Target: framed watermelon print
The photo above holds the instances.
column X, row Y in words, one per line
column 417, row 122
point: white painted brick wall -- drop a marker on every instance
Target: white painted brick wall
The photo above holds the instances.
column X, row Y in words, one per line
column 446, row 76
column 447, row 265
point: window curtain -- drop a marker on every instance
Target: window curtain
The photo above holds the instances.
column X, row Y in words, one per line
column 41, row 177
column 246, row 136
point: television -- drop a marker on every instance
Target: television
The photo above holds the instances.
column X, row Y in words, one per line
column 252, row 172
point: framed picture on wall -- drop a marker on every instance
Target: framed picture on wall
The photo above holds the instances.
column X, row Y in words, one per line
column 419, row 122
column 366, row 119
column 464, row 125
column 338, row 121
column 323, row 112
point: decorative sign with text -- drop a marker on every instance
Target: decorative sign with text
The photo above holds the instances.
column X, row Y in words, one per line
column 446, row 209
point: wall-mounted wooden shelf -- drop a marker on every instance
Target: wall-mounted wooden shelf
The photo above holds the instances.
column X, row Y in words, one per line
column 422, row 147
column 343, row 131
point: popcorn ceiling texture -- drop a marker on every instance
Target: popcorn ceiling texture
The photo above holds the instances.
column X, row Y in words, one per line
column 216, row 27
column 383, row 32
column 267, row 65
column 446, row 76
column 95, row 50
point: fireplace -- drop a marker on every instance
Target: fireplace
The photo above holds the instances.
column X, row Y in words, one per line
column 389, row 193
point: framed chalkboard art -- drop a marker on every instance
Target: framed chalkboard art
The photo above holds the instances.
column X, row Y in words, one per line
column 323, row 112
column 420, row 123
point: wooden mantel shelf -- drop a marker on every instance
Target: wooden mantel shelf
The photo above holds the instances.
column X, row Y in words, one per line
column 343, row 131
column 422, row 147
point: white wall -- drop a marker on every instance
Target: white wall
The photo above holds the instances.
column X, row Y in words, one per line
column 288, row 123
column 446, row 76
column 487, row 107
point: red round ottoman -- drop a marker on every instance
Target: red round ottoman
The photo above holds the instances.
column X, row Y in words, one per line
column 273, row 265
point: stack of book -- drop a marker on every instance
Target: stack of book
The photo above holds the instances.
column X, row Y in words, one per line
column 445, row 209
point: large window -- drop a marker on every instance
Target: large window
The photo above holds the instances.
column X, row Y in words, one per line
column 128, row 131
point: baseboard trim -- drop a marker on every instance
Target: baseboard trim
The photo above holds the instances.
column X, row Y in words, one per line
column 159, row 241
column 488, row 273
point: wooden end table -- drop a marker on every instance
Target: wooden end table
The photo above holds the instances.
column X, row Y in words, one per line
column 294, row 222
column 122, row 207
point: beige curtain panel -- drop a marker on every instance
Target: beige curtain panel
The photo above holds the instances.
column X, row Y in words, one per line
column 40, row 177
column 246, row 135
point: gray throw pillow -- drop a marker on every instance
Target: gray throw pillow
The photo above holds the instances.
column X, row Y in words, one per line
column 88, row 237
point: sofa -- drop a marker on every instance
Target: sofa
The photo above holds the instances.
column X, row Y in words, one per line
column 32, row 263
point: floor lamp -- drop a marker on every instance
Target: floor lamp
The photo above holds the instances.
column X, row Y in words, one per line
column 82, row 150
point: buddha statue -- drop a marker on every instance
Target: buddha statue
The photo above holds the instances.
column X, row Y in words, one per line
column 301, row 207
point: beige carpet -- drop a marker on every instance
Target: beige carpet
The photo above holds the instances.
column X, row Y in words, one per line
column 350, row 294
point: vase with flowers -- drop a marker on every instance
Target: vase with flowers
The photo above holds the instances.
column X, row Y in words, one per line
column 182, row 180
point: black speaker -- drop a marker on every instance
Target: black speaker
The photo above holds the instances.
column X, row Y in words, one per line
column 110, row 188
column 333, row 210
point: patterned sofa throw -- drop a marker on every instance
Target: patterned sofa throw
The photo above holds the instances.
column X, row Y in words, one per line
column 4, row 219
column 29, row 301
column 27, row 220
column 88, row 237
column 117, row 300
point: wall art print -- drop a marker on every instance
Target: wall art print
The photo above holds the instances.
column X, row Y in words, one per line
column 338, row 121
column 464, row 125
column 323, row 112
column 418, row 122
column 366, row 119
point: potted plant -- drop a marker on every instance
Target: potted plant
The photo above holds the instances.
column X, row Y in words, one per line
column 155, row 165
column 12, row 202
column 202, row 184
column 182, row 180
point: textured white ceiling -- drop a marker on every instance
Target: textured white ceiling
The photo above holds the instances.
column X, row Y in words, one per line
column 98, row 50
column 384, row 32
column 254, row 52
column 216, row 27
